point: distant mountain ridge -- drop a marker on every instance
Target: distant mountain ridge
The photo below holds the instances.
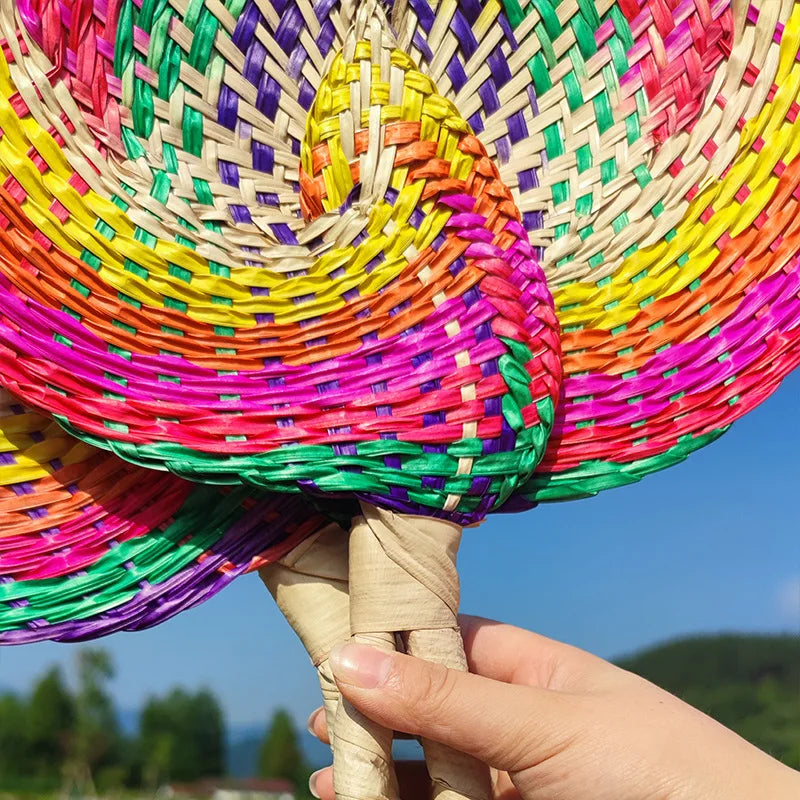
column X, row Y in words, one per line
column 692, row 662
column 750, row 683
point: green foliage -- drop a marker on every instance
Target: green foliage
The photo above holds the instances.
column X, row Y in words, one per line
column 751, row 684
column 182, row 737
column 13, row 745
column 111, row 778
column 280, row 755
column 209, row 732
column 97, row 735
column 48, row 724
column 54, row 738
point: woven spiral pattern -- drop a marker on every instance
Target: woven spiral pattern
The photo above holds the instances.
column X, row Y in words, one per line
column 404, row 251
column 399, row 342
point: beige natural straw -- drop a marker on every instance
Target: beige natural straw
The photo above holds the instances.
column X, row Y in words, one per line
column 402, row 581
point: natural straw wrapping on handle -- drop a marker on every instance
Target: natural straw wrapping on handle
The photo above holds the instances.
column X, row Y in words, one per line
column 403, row 580
column 362, row 755
column 454, row 775
column 396, row 575
column 310, row 586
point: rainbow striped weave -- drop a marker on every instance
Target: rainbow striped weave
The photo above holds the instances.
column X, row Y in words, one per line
column 449, row 257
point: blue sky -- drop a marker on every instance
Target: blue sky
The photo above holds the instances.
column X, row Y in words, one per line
column 709, row 545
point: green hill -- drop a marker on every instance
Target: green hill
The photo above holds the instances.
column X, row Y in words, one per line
column 751, row 683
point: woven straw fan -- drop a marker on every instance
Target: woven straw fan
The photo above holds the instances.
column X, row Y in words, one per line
column 444, row 260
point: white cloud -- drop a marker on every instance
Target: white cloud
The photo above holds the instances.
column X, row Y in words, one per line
column 788, row 599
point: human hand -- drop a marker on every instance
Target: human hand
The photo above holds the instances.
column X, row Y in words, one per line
column 553, row 722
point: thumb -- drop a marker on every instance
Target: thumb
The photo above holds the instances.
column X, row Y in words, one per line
column 509, row 727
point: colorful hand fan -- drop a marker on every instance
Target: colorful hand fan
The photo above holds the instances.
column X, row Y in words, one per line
column 445, row 259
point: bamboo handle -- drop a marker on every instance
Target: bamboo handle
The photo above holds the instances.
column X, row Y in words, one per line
column 310, row 586
column 363, row 768
column 454, row 775
column 397, row 574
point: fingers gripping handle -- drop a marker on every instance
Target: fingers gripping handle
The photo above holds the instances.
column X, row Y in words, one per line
column 403, row 578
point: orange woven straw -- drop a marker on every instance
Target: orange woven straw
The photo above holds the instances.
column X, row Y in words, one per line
column 470, row 258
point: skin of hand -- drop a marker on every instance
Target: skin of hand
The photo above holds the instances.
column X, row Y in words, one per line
column 553, row 722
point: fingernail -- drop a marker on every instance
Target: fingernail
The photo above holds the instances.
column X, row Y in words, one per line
column 360, row 666
column 311, row 720
column 312, row 783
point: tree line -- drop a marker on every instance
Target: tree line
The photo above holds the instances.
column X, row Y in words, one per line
column 56, row 737
column 60, row 738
